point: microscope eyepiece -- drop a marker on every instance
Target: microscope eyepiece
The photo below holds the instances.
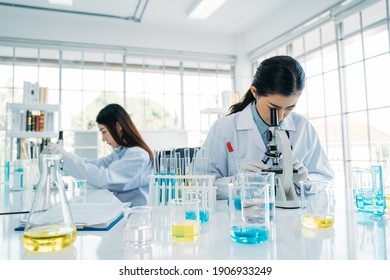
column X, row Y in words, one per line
column 274, row 117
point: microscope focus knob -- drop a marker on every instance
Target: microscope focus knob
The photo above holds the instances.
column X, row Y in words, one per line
column 269, row 135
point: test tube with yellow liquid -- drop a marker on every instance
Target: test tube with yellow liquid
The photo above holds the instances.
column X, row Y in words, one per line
column 185, row 223
column 317, row 204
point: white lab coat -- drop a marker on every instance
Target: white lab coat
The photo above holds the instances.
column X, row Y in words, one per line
column 241, row 130
column 124, row 172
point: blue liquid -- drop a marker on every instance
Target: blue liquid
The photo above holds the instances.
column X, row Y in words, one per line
column 237, row 203
column 271, row 211
column 380, row 205
column 203, row 215
column 249, row 235
column 364, row 201
column 367, row 202
column 160, row 188
column 173, row 183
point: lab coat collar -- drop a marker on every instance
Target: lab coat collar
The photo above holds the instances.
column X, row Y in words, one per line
column 245, row 122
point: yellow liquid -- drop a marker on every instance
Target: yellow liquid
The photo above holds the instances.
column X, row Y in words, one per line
column 387, row 202
column 317, row 221
column 185, row 232
column 48, row 238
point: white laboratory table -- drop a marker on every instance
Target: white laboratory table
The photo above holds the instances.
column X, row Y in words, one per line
column 353, row 236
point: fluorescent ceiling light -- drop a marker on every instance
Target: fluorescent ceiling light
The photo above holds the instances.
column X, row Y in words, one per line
column 204, row 8
column 62, row 2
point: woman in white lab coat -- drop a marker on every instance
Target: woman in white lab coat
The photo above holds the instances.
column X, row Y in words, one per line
column 278, row 83
column 125, row 171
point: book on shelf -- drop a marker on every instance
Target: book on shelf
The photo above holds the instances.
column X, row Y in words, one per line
column 30, row 92
column 90, row 216
column 43, row 92
column 29, row 120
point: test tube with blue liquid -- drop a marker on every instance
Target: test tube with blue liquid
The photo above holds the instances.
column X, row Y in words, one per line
column 172, row 172
column 163, row 181
column 7, row 171
column 379, row 203
column 200, row 194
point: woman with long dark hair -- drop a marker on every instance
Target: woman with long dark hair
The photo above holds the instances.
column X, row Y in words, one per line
column 125, row 171
column 278, row 83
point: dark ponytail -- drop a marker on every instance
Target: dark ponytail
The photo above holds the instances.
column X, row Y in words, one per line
column 239, row 106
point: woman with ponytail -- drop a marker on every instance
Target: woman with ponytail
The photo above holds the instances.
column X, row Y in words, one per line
column 278, row 83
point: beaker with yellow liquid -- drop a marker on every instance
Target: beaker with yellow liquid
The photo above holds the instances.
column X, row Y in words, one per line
column 317, row 204
column 50, row 225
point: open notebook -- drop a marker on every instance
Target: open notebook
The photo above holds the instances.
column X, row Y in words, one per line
column 90, row 216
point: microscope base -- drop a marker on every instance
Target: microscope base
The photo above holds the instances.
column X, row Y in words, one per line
column 289, row 204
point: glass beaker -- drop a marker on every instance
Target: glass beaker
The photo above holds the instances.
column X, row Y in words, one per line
column 362, row 189
column 201, row 194
column 138, row 226
column 317, row 207
column 185, row 223
column 249, row 219
column 269, row 178
column 50, row 225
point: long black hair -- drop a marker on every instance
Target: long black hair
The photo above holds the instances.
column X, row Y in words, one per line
column 112, row 114
column 275, row 75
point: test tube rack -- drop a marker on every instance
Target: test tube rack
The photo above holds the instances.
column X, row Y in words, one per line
column 164, row 188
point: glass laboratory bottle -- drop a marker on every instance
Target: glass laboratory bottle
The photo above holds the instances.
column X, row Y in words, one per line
column 50, row 225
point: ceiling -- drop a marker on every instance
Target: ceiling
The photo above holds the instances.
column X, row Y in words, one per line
column 234, row 17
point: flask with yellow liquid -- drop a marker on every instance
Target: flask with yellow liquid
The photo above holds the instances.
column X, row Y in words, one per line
column 50, row 225
column 317, row 204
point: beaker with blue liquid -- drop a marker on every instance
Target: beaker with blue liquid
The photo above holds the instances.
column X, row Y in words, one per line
column 201, row 194
column 249, row 223
column 368, row 190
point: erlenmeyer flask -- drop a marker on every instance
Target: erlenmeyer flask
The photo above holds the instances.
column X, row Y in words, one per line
column 50, row 225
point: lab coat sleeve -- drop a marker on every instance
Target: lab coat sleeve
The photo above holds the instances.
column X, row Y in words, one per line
column 118, row 175
column 104, row 162
column 215, row 144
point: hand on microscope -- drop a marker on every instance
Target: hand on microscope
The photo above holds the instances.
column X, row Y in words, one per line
column 54, row 148
column 255, row 166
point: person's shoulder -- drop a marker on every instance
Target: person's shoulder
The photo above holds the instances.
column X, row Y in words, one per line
column 298, row 116
column 303, row 124
column 136, row 151
column 224, row 121
column 300, row 119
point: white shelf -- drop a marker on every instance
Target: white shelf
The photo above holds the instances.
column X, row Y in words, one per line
column 16, row 120
column 34, row 106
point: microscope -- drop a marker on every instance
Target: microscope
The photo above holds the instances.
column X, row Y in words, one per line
column 279, row 151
